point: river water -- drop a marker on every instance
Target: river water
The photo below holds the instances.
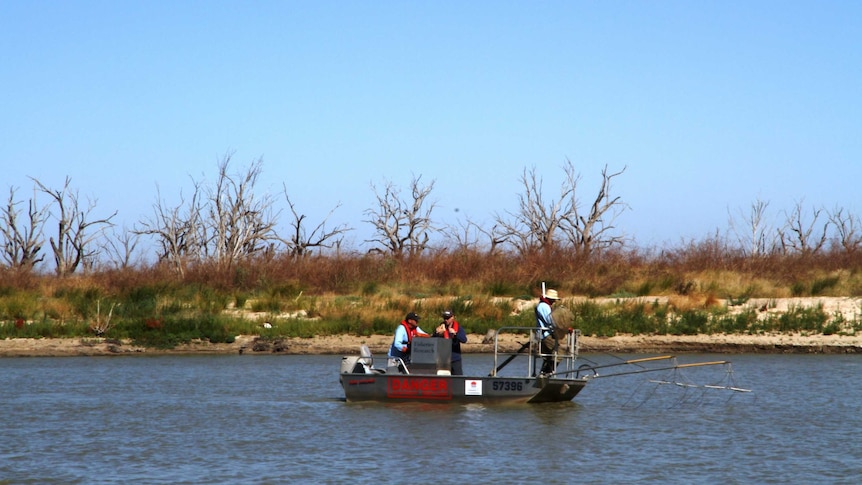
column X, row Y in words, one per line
column 282, row 419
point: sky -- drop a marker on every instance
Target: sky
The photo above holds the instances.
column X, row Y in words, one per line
column 707, row 106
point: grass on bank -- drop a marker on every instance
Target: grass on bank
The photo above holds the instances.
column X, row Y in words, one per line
column 369, row 294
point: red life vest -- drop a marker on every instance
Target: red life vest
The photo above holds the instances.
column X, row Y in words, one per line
column 411, row 332
column 454, row 329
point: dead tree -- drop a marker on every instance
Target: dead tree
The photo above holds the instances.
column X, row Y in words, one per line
column 753, row 236
column 847, row 228
column 593, row 230
column 402, row 226
column 179, row 230
column 22, row 240
column 101, row 325
column 224, row 222
column 120, row 247
column 301, row 240
column 76, row 232
column 537, row 221
column 469, row 235
column 541, row 224
column 798, row 236
column 497, row 236
column 241, row 223
column 464, row 235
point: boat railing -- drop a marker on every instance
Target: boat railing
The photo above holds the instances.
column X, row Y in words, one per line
column 396, row 365
column 564, row 355
column 364, row 364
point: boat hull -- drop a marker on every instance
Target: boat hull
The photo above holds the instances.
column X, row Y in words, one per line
column 383, row 387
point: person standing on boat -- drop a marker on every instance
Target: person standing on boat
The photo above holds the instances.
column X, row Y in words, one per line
column 545, row 329
column 451, row 329
column 404, row 334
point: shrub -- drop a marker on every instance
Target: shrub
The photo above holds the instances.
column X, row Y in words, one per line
column 154, row 304
column 739, row 323
column 689, row 323
column 821, row 285
column 170, row 332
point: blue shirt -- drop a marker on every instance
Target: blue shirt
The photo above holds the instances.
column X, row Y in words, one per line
column 401, row 339
column 543, row 320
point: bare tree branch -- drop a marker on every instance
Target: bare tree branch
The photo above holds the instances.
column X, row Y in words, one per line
column 72, row 245
column 226, row 222
column 847, row 228
column 301, row 240
column 179, row 230
column 464, row 235
column 591, row 231
column 402, row 225
column 101, row 325
column 241, row 222
column 754, row 236
column 540, row 224
column 22, row 243
column 798, row 235
column 534, row 226
column 120, row 247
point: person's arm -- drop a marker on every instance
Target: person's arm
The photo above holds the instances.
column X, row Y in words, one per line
column 461, row 335
column 421, row 333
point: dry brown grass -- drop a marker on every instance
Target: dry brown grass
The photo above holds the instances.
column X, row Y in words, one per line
column 696, row 275
column 629, row 291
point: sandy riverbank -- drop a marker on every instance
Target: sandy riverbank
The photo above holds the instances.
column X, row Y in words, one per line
column 379, row 344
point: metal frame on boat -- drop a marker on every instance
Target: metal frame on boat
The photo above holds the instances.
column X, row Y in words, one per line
column 428, row 379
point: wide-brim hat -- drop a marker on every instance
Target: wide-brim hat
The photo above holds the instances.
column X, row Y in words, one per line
column 552, row 295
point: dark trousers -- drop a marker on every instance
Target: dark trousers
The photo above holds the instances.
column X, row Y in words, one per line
column 457, row 370
column 549, row 345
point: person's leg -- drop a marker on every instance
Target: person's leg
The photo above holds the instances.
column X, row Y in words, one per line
column 548, row 360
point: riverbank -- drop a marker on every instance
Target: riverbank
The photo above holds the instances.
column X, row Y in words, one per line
column 379, row 345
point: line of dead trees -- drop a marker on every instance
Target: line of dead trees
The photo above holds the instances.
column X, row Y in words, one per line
column 805, row 230
column 224, row 222
column 230, row 219
column 72, row 244
column 404, row 225
column 542, row 222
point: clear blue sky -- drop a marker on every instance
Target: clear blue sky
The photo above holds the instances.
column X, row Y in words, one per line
column 709, row 105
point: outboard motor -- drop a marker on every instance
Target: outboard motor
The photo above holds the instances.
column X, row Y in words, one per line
column 352, row 364
column 365, row 355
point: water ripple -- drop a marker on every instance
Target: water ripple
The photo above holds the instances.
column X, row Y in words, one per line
column 279, row 419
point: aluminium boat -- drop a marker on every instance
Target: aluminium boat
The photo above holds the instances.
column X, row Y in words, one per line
column 427, row 378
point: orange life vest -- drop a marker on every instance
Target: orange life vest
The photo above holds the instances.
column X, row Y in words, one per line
column 454, row 330
column 411, row 332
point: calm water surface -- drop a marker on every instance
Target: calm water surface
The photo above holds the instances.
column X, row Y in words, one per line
column 281, row 419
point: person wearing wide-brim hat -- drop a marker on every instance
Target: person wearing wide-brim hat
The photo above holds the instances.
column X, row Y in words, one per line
column 545, row 329
column 404, row 334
